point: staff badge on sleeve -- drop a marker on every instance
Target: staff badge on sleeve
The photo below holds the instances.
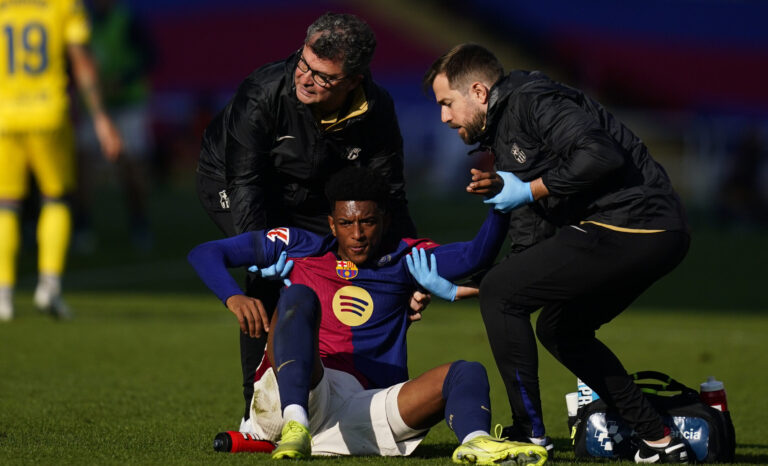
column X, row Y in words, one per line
column 346, row 270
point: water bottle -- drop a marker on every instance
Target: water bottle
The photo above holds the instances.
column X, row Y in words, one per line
column 234, row 442
column 586, row 394
column 713, row 393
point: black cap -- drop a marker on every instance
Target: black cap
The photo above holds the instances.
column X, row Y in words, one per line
column 222, row 442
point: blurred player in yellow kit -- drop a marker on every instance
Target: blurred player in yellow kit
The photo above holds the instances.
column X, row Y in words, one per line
column 36, row 39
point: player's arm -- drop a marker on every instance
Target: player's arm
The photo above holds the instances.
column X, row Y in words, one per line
column 456, row 260
column 423, row 268
column 87, row 78
column 211, row 261
column 465, row 292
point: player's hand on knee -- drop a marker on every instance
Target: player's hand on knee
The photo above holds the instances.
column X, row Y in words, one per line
column 250, row 314
column 277, row 271
column 485, row 183
column 419, row 302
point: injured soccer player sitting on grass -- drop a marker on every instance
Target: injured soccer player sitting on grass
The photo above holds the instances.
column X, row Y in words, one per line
column 335, row 379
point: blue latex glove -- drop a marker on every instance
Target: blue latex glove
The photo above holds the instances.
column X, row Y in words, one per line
column 277, row 271
column 427, row 275
column 513, row 194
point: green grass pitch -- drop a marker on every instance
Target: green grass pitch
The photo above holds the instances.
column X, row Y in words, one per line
column 148, row 372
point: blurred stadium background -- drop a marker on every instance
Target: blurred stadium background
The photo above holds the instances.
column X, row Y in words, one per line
column 688, row 76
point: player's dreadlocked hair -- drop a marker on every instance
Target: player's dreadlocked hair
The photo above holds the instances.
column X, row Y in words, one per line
column 463, row 65
column 357, row 184
column 342, row 36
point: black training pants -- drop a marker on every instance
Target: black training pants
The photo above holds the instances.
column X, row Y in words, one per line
column 216, row 205
column 581, row 278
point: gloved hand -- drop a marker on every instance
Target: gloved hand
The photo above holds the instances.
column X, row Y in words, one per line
column 427, row 275
column 277, row 271
column 513, row 194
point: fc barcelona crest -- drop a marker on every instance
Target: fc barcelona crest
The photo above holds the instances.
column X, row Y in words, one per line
column 518, row 153
column 346, row 269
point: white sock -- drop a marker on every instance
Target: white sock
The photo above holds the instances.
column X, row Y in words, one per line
column 473, row 435
column 245, row 425
column 540, row 441
column 296, row 413
column 50, row 280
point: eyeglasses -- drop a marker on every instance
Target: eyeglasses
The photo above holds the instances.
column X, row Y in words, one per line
column 321, row 79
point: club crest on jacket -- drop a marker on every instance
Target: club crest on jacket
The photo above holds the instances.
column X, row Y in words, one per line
column 517, row 153
column 353, row 153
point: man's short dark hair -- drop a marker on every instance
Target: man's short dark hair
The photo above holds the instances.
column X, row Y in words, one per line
column 343, row 36
column 357, row 184
column 463, row 65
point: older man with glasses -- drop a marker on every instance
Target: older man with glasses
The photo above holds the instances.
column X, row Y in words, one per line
column 291, row 124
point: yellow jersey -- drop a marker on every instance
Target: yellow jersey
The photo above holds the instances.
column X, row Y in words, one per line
column 34, row 35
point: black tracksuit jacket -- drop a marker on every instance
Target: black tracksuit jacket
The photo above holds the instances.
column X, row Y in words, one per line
column 595, row 168
column 274, row 158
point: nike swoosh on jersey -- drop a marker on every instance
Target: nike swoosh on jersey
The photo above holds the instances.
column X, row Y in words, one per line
column 287, row 136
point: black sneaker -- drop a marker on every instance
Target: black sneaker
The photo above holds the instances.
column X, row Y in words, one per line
column 513, row 434
column 674, row 452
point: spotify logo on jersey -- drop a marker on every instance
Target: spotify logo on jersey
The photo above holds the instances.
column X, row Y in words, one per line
column 352, row 305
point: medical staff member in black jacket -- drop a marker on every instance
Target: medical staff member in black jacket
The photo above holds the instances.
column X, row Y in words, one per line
column 594, row 223
column 266, row 156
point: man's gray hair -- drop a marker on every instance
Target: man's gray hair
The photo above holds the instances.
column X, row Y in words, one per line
column 342, row 36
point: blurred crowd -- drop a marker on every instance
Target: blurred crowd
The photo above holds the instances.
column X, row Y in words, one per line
column 722, row 159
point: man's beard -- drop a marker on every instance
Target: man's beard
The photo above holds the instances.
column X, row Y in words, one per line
column 474, row 128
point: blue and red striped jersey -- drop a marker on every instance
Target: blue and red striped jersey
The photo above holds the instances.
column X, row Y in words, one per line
column 364, row 309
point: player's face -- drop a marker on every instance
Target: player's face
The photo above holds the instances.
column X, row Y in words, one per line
column 321, row 83
column 462, row 111
column 358, row 226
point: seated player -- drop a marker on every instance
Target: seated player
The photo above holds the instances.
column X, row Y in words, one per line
column 335, row 379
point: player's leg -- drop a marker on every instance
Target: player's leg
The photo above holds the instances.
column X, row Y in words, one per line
column 133, row 166
column 9, row 246
column 134, row 176
column 89, row 157
column 294, row 354
column 13, row 187
column 459, row 392
column 53, row 164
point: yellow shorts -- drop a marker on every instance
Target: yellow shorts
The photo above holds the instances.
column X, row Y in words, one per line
column 49, row 155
